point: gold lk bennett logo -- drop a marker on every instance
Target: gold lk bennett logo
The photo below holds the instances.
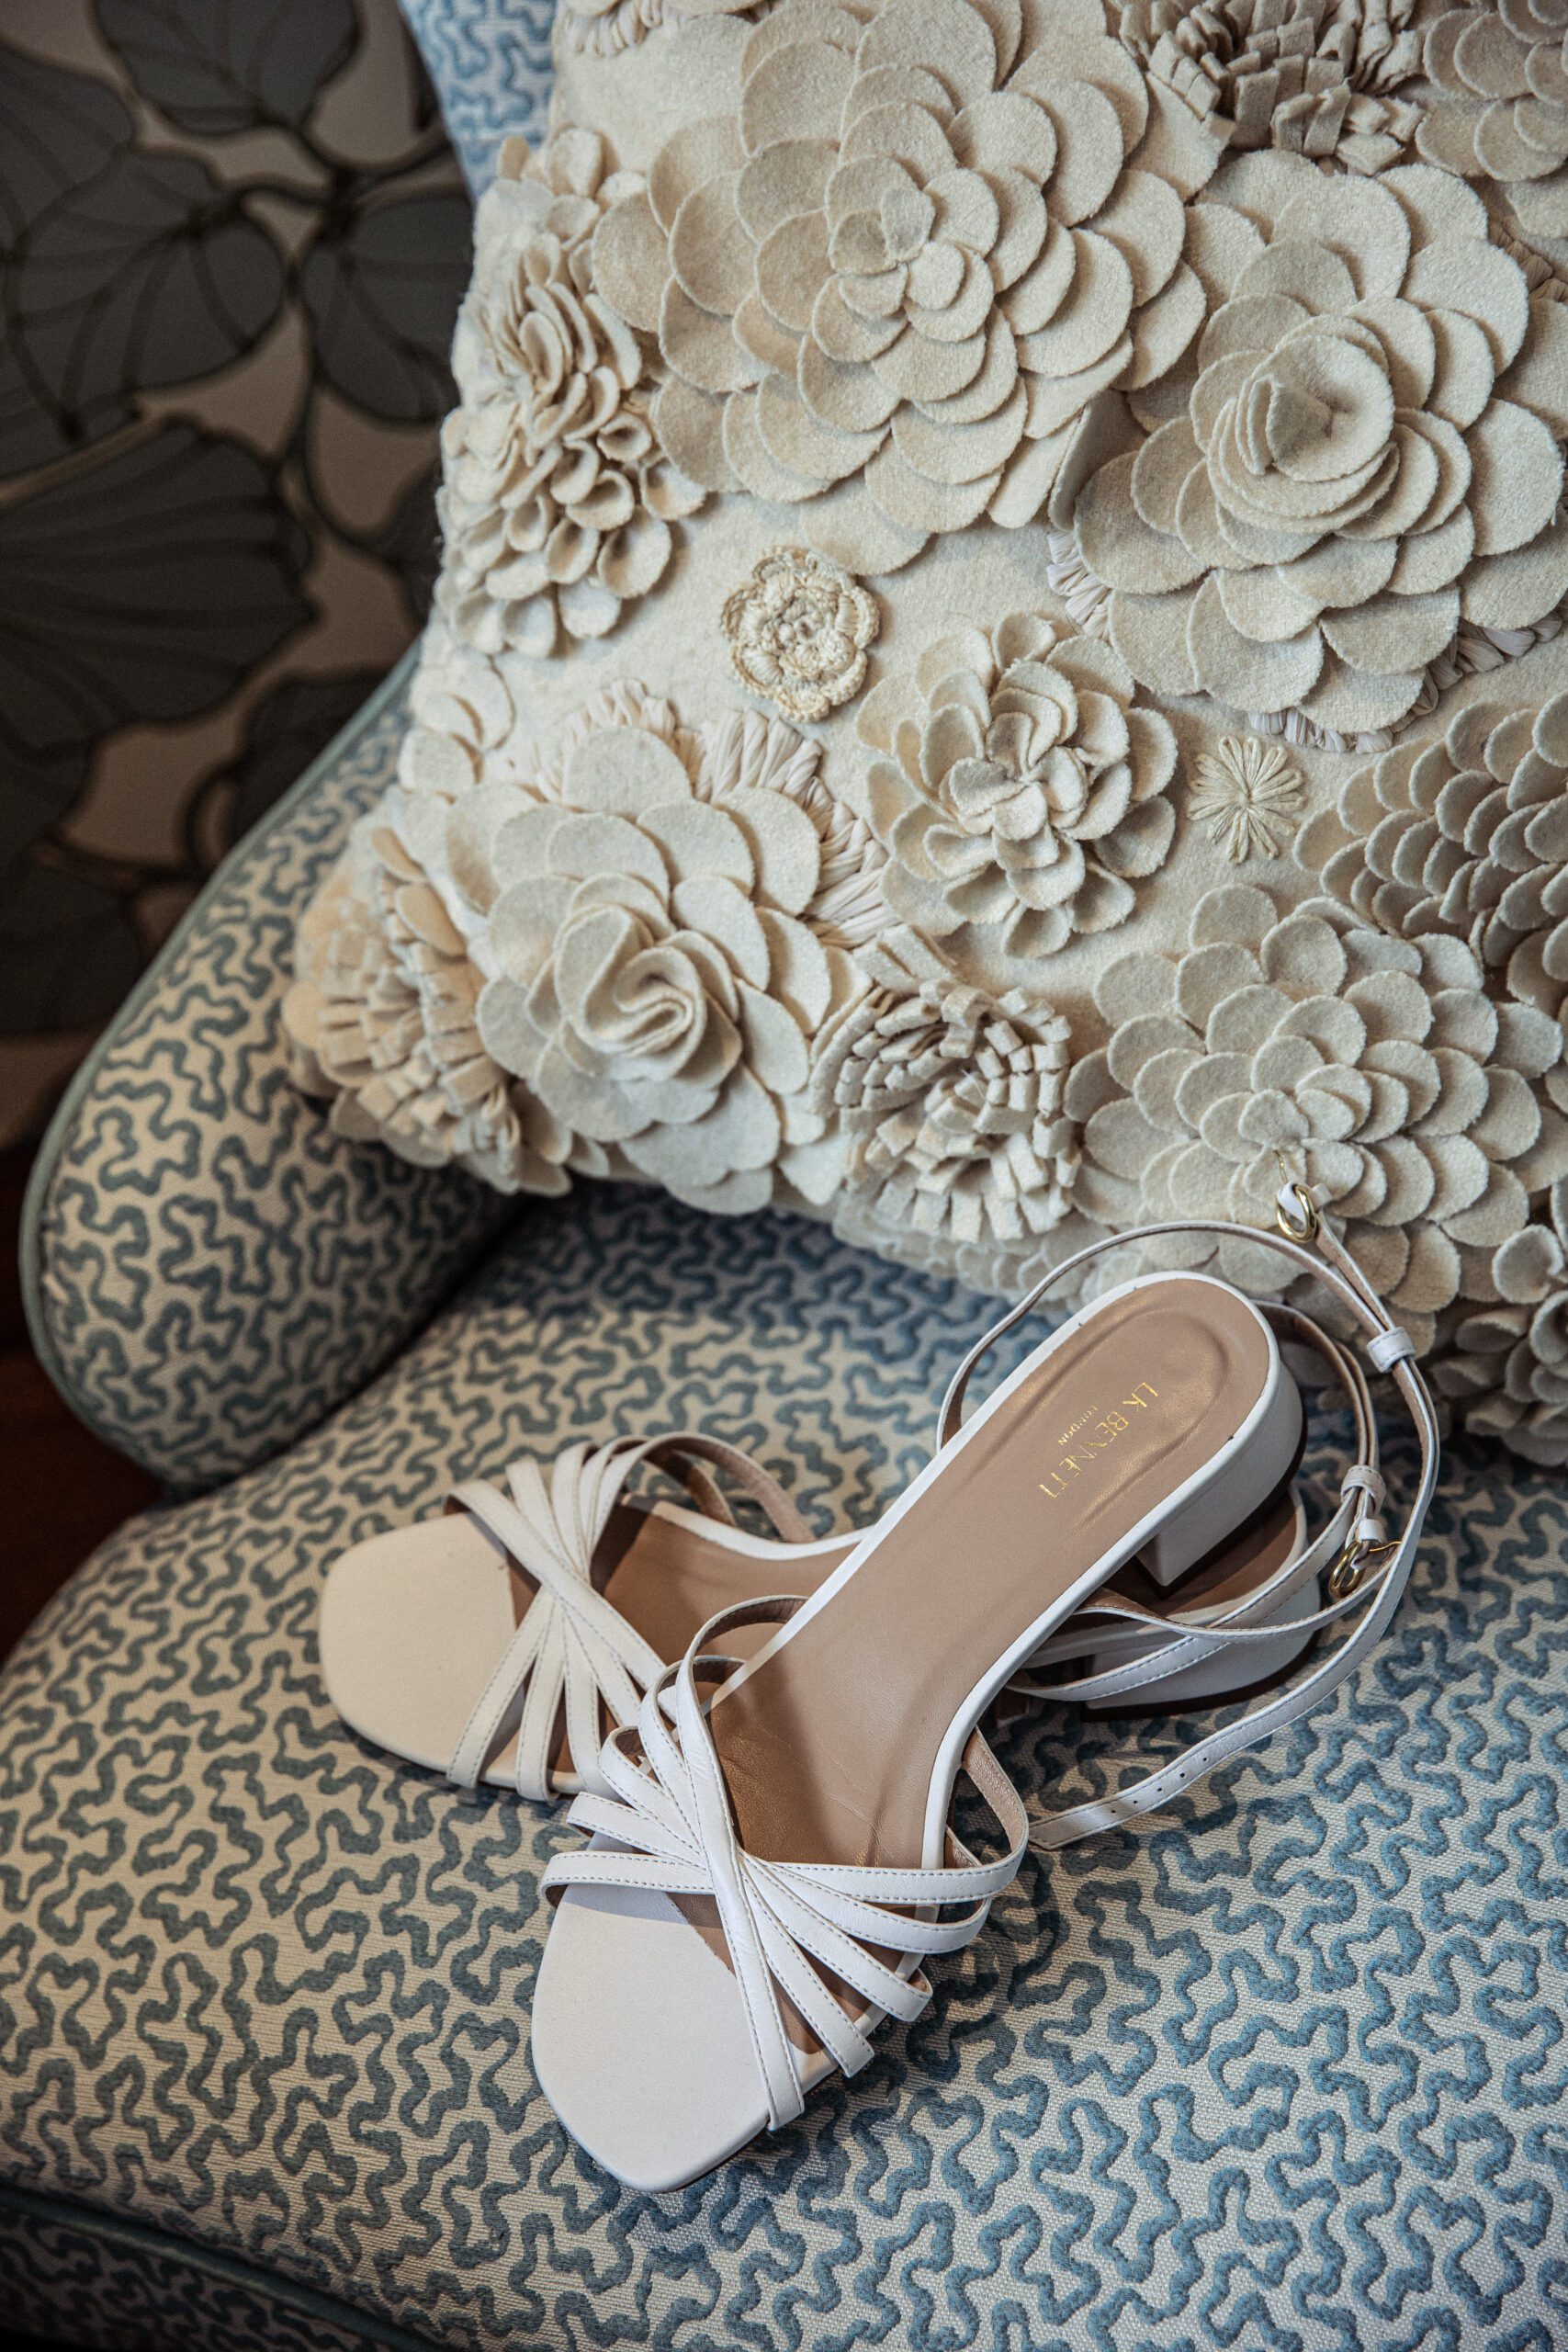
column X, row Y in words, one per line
column 1099, row 1434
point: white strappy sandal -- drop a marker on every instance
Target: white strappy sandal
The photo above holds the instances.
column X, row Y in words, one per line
column 773, row 1865
column 503, row 1638
column 499, row 1641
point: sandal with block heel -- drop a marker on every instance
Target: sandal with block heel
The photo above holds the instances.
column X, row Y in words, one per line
column 773, row 1862
column 496, row 1639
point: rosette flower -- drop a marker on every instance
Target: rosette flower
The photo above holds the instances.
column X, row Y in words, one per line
column 557, row 498
column 641, row 913
column 1500, row 70
column 797, row 632
column 1367, row 455
column 951, row 1104
column 901, row 279
column 381, row 1020
column 1314, row 77
column 1466, row 835
column 1506, row 1376
column 1018, row 787
column 1375, row 1066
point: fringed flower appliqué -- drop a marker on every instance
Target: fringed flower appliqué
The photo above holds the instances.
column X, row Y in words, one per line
column 951, row 1102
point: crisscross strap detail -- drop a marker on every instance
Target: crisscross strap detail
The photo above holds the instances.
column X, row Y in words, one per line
column 673, row 1829
column 572, row 1642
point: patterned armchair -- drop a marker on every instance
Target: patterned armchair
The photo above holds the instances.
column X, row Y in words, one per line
column 1287, row 2070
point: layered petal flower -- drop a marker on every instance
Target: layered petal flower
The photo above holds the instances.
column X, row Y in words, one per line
column 644, row 908
column 557, row 497
column 1465, row 835
column 1017, row 787
column 901, row 280
column 1500, row 72
column 380, row 1019
column 1375, row 1067
column 1364, row 461
column 1506, row 1374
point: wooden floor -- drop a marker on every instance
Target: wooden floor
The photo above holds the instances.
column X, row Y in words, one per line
column 62, row 1491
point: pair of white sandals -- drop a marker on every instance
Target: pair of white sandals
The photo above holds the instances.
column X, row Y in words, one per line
column 770, row 1859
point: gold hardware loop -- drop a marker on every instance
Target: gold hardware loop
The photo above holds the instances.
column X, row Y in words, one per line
column 1307, row 1229
column 1346, row 1574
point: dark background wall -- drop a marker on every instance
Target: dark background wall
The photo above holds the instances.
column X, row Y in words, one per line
column 232, row 241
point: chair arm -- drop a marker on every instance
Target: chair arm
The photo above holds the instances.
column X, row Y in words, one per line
column 208, row 1268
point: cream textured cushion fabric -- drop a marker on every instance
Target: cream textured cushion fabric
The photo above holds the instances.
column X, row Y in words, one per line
column 999, row 666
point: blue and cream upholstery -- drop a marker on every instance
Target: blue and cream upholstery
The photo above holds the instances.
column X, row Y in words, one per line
column 1287, row 2073
column 1288, row 2070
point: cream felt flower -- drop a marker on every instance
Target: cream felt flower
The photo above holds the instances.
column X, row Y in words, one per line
column 1505, row 1373
column 1367, row 455
column 557, row 498
column 900, row 279
column 642, row 908
column 1376, row 1068
column 797, row 632
column 1314, row 77
column 1500, row 72
column 381, row 1020
column 1017, row 785
column 1247, row 795
column 950, row 1103
column 1468, row 835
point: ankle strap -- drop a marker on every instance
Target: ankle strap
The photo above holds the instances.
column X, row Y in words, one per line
column 1306, row 1241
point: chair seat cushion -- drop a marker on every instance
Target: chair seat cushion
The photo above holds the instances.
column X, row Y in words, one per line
column 1286, row 2069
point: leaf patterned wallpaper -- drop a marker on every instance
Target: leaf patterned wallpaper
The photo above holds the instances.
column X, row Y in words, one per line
column 232, row 243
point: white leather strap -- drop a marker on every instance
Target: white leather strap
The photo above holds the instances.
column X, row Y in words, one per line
column 1258, row 1621
column 1329, row 1262
column 571, row 1642
column 795, row 1926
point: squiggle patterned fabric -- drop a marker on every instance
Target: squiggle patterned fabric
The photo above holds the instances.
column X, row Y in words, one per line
column 214, row 1268
column 1285, row 2070
column 491, row 63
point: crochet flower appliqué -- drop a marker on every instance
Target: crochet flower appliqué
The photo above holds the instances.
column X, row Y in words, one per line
column 797, row 632
column 557, row 498
column 1017, row 785
column 1246, row 796
column 899, row 281
column 1367, row 456
column 1378, row 1067
column 604, row 28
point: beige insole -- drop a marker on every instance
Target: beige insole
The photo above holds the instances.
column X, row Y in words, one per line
column 830, row 1745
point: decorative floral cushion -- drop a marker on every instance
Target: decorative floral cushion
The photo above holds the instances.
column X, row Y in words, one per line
column 999, row 667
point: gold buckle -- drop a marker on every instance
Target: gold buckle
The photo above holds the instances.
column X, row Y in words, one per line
column 1346, row 1574
column 1307, row 1229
